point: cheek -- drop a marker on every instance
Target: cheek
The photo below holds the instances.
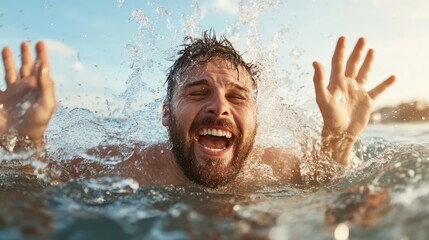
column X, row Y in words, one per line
column 247, row 119
column 184, row 115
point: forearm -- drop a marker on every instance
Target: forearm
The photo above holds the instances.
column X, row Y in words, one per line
column 338, row 146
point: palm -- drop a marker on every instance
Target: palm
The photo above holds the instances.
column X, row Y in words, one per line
column 347, row 108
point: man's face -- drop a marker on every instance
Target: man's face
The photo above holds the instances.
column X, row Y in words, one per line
column 212, row 121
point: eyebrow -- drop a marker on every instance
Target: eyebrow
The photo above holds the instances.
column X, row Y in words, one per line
column 206, row 82
column 196, row 83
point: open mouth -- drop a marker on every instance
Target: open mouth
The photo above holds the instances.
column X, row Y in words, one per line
column 214, row 141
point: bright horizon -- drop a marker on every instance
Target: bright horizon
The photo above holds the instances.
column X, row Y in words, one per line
column 89, row 41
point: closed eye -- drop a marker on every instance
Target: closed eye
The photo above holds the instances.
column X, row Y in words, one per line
column 198, row 94
column 236, row 98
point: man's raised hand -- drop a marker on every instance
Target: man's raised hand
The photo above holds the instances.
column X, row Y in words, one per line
column 28, row 102
column 345, row 105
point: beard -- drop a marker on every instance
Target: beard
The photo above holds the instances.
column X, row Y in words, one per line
column 213, row 173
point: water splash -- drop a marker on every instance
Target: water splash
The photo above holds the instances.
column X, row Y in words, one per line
column 191, row 24
column 101, row 191
column 147, row 59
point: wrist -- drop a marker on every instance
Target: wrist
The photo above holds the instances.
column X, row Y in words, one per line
column 338, row 134
column 12, row 142
column 338, row 145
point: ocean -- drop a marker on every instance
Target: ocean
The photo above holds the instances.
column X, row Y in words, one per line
column 384, row 197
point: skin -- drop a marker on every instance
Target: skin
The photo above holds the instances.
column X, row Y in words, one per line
column 31, row 87
column 212, row 96
column 211, row 90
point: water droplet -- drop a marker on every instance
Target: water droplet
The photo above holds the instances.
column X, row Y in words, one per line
column 296, row 53
column 236, row 207
column 279, row 233
column 411, row 172
column 341, row 232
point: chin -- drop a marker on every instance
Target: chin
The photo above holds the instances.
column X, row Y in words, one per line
column 217, row 176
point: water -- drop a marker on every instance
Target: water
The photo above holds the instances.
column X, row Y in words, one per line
column 385, row 196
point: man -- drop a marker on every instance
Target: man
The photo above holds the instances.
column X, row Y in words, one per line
column 210, row 113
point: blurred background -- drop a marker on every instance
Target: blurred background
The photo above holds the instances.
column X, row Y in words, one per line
column 98, row 47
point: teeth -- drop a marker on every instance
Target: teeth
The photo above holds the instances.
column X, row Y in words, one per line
column 214, row 149
column 215, row 132
column 228, row 135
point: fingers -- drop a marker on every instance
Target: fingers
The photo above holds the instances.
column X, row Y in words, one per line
column 338, row 59
column 319, row 83
column 26, row 60
column 352, row 63
column 42, row 54
column 362, row 76
column 42, row 64
column 31, row 70
column 351, row 70
column 46, row 86
column 43, row 75
column 9, row 66
column 375, row 92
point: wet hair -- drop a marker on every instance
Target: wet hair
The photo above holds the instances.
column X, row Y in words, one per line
column 202, row 50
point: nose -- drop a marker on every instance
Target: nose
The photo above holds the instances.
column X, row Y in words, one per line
column 218, row 105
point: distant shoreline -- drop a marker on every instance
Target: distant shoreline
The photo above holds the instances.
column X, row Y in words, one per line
column 407, row 112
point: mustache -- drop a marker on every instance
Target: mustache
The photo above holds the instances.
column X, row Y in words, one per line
column 212, row 121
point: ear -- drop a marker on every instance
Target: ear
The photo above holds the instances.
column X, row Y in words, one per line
column 165, row 114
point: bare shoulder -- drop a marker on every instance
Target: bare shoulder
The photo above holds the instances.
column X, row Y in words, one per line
column 285, row 163
column 151, row 165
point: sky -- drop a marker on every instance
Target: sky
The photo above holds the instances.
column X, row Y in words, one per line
column 103, row 50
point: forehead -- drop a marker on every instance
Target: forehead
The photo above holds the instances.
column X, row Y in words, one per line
column 218, row 71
